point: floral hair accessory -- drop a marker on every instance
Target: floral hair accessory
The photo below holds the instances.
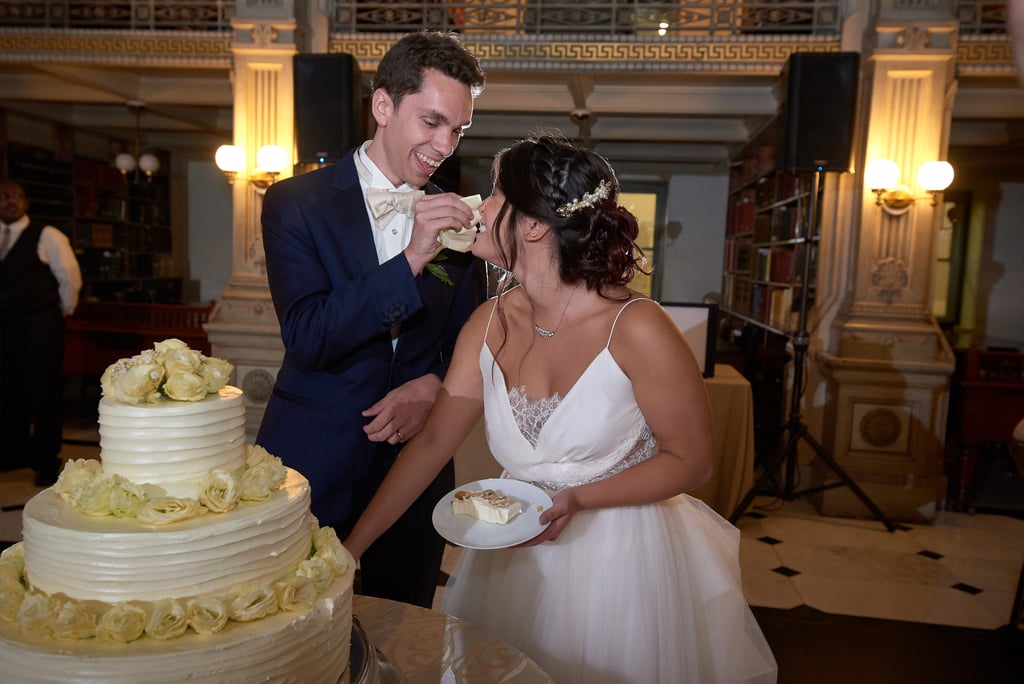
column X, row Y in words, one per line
column 589, row 199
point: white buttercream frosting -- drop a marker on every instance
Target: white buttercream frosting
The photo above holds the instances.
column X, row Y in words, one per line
column 112, row 559
column 310, row 647
column 173, row 444
column 258, row 551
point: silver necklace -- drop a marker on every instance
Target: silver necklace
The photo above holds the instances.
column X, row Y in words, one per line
column 544, row 332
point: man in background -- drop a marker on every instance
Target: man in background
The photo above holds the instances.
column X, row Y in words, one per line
column 39, row 285
column 368, row 314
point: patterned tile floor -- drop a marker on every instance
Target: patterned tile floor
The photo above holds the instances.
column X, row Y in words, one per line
column 962, row 570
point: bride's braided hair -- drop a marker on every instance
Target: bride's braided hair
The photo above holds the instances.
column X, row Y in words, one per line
column 548, row 178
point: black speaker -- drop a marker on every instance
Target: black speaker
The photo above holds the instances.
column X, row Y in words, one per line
column 328, row 106
column 818, row 105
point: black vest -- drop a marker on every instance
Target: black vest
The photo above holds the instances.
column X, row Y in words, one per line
column 26, row 284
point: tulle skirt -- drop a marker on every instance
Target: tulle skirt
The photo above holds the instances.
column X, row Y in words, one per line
column 641, row 594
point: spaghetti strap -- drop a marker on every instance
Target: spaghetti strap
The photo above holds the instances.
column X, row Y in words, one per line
column 612, row 331
column 494, row 308
column 487, row 330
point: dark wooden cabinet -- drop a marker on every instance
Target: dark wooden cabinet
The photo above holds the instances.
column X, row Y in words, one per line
column 986, row 402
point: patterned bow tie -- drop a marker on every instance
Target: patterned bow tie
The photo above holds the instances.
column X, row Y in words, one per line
column 385, row 203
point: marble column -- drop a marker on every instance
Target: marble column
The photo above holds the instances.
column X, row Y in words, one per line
column 243, row 326
column 886, row 363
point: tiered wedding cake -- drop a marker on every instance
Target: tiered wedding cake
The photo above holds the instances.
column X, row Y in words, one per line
column 186, row 556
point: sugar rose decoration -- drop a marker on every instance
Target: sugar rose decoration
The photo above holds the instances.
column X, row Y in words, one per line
column 170, row 370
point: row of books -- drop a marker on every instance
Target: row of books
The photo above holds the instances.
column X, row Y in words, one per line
column 766, row 303
column 102, row 235
column 780, row 222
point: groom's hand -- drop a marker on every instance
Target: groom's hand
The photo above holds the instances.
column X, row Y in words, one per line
column 403, row 411
column 434, row 214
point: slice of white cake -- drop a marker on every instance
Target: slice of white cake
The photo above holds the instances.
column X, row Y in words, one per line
column 487, row 505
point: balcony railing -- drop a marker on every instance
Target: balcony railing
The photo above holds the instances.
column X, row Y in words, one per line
column 133, row 15
column 690, row 18
column 605, row 17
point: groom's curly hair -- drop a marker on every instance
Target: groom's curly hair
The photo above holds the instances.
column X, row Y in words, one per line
column 400, row 71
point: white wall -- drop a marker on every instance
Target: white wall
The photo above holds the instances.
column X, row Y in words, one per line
column 695, row 237
column 1004, row 321
column 209, row 229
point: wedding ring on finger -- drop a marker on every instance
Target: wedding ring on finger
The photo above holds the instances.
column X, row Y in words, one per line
column 399, row 434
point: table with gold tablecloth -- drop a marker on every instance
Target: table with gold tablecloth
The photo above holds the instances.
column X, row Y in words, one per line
column 425, row 647
column 732, row 410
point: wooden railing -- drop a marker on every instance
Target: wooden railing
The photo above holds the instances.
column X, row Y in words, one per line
column 100, row 333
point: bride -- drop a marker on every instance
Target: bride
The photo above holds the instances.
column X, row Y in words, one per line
column 589, row 391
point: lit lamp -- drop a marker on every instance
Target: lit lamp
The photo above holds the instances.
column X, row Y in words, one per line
column 270, row 161
column 148, row 162
column 895, row 198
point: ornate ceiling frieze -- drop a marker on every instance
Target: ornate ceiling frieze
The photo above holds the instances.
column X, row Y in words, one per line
column 116, row 47
column 750, row 55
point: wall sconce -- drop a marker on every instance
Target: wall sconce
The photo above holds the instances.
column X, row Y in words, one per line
column 882, row 176
column 270, row 161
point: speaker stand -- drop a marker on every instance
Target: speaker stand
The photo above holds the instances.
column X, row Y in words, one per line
column 794, row 427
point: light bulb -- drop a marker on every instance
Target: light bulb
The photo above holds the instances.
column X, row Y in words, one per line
column 935, row 176
column 271, row 159
column 230, row 158
column 149, row 164
column 124, row 162
column 881, row 173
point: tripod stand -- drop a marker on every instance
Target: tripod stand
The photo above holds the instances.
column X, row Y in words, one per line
column 794, row 427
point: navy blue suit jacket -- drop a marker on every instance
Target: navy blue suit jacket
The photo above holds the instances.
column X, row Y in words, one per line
column 336, row 306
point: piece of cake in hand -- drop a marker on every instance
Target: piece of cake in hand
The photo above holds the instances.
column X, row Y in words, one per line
column 487, row 505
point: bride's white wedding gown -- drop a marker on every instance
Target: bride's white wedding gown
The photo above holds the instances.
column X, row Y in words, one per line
column 633, row 595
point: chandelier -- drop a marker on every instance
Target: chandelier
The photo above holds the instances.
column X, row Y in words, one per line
column 127, row 163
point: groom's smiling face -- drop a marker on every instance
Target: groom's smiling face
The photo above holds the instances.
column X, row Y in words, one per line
column 414, row 137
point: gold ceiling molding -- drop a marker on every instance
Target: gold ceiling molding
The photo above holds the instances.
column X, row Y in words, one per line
column 115, row 47
column 979, row 55
column 527, row 53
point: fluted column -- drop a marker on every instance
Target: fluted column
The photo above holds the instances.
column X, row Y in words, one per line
column 887, row 363
column 243, row 327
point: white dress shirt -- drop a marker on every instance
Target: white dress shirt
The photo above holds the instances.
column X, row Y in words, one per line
column 54, row 250
column 393, row 237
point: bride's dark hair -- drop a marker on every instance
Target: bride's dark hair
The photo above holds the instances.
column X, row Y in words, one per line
column 596, row 242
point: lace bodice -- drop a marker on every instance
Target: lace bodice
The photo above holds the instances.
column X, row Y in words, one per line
column 531, row 415
column 595, row 430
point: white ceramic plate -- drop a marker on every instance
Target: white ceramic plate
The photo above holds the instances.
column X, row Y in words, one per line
column 471, row 533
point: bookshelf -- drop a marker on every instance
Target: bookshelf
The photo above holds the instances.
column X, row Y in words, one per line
column 122, row 235
column 766, row 234
column 121, row 230
column 47, row 183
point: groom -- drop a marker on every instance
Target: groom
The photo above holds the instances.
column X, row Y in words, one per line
column 368, row 323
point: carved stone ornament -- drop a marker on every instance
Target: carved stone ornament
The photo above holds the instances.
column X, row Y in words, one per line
column 257, row 385
column 880, row 428
column 914, row 38
column 257, row 257
column 263, row 35
column 890, row 277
